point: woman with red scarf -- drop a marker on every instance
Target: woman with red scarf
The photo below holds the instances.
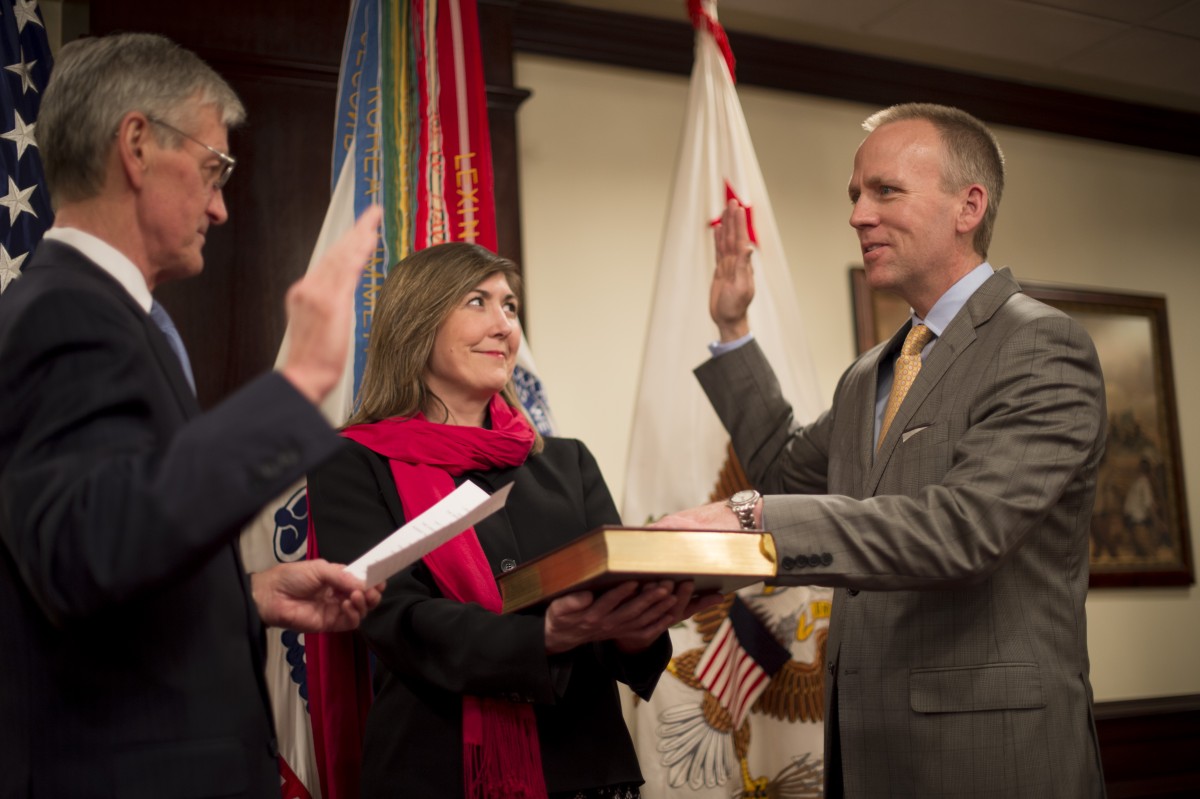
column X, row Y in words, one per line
column 469, row 702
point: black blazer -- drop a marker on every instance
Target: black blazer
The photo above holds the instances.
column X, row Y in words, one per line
column 431, row 650
column 130, row 651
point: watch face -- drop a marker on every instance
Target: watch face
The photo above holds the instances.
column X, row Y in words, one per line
column 745, row 495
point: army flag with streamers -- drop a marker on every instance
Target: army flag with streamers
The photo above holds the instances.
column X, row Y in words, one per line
column 411, row 134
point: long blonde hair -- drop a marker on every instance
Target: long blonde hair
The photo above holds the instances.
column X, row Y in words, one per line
column 417, row 296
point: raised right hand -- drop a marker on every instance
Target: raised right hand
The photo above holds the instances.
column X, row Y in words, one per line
column 733, row 280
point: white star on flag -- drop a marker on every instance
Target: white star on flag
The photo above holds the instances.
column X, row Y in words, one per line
column 25, row 52
column 17, row 200
column 21, row 134
column 25, row 70
column 25, row 11
column 10, row 268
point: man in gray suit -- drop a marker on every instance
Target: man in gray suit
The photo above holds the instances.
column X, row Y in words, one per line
column 957, row 519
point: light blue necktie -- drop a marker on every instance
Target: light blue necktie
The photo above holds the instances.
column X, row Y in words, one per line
column 163, row 320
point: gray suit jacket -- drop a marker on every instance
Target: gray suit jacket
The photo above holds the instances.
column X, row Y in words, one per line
column 958, row 652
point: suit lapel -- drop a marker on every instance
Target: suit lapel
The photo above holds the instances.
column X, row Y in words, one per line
column 954, row 341
column 868, row 455
column 63, row 256
column 503, row 543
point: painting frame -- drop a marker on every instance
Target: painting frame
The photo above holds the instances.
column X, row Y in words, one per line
column 1141, row 534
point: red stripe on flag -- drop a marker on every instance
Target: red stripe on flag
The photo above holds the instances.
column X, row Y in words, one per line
column 715, row 664
column 731, row 674
column 714, row 653
column 470, row 207
column 747, row 667
column 748, row 694
column 290, row 786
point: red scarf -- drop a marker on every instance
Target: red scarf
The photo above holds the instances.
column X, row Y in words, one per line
column 501, row 753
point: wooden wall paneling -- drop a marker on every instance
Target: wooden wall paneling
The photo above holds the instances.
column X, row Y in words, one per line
column 284, row 66
column 1149, row 747
column 504, row 99
column 277, row 205
column 306, row 34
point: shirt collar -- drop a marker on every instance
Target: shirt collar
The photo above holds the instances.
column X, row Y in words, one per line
column 108, row 258
column 950, row 303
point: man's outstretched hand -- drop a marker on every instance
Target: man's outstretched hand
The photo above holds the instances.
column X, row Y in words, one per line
column 312, row 596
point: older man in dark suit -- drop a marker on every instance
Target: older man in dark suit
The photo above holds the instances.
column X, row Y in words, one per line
column 948, row 489
column 131, row 640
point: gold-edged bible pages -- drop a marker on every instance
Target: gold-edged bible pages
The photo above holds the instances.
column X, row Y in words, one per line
column 717, row 560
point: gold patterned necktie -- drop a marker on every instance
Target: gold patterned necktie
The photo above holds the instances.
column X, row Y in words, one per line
column 907, row 367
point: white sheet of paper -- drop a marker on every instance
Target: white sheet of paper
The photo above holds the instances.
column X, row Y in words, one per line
column 453, row 513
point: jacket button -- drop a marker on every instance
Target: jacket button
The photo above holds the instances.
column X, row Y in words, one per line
column 507, row 565
column 830, row 668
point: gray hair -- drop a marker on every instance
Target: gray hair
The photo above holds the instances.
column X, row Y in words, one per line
column 97, row 81
column 972, row 155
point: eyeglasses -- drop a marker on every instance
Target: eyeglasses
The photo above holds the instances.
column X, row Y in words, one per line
column 228, row 162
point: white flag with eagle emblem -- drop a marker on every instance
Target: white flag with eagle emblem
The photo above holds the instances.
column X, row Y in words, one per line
column 688, row 741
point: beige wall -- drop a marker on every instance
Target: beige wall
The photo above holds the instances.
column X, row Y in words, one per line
column 598, row 147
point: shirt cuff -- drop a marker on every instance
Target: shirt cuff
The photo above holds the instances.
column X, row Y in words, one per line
column 721, row 347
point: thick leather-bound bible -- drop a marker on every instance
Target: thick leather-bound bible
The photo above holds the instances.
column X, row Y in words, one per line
column 717, row 560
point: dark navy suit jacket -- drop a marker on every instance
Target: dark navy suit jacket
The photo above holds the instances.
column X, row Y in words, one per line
column 131, row 652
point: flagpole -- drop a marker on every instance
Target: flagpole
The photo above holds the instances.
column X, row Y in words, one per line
column 727, row 711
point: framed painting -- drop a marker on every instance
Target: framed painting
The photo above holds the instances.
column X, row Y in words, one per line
column 1140, row 531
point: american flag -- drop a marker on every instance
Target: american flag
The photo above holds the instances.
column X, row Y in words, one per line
column 23, row 195
column 740, row 660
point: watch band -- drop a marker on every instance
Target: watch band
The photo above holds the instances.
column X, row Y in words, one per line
column 742, row 504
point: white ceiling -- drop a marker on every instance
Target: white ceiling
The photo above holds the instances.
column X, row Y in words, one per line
column 1145, row 51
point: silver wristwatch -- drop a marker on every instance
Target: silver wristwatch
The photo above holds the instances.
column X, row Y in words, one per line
column 742, row 504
